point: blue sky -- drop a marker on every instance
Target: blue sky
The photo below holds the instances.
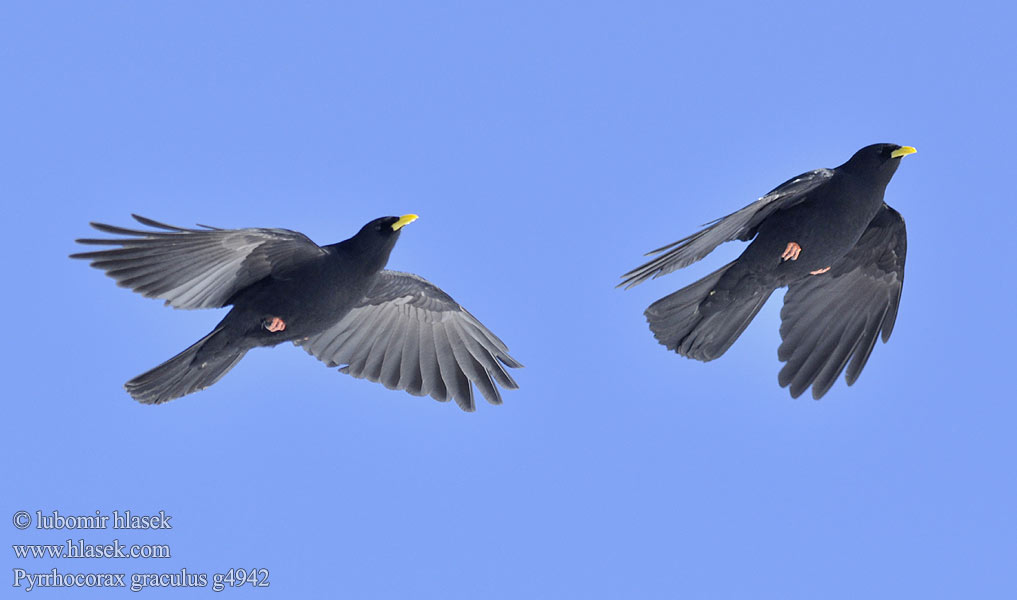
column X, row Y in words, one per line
column 546, row 146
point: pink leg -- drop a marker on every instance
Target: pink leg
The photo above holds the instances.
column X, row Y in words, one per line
column 792, row 251
column 276, row 324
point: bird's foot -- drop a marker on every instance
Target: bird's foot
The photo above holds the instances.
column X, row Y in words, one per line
column 791, row 252
column 274, row 324
column 819, row 271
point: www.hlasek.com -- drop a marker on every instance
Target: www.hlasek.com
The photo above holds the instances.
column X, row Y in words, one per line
column 80, row 548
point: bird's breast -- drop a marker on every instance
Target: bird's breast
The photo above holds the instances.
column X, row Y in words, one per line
column 309, row 301
column 825, row 232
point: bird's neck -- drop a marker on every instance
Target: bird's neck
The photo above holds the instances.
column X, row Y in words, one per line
column 366, row 258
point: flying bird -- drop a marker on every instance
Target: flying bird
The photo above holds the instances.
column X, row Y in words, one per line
column 337, row 302
column 828, row 236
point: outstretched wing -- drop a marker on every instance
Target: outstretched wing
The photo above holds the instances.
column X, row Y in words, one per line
column 409, row 335
column 833, row 318
column 739, row 225
column 195, row 268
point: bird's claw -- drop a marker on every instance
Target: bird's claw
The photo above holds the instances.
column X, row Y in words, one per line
column 819, row 271
column 791, row 252
column 275, row 324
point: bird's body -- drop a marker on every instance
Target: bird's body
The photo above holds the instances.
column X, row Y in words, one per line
column 336, row 301
column 308, row 297
column 827, row 225
column 802, row 234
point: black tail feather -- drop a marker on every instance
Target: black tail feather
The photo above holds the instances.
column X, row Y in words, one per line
column 183, row 374
column 679, row 323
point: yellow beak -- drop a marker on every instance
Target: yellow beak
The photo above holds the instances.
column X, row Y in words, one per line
column 404, row 221
column 902, row 151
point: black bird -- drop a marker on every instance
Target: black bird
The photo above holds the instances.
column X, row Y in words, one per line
column 335, row 301
column 829, row 237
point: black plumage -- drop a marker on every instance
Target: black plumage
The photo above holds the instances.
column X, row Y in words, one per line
column 828, row 236
column 336, row 301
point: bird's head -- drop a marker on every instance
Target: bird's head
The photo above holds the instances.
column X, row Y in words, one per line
column 386, row 227
column 380, row 235
column 878, row 159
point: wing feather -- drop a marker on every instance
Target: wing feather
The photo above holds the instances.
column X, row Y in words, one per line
column 739, row 225
column 832, row 320
column 195, row 268
column 408, row 334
